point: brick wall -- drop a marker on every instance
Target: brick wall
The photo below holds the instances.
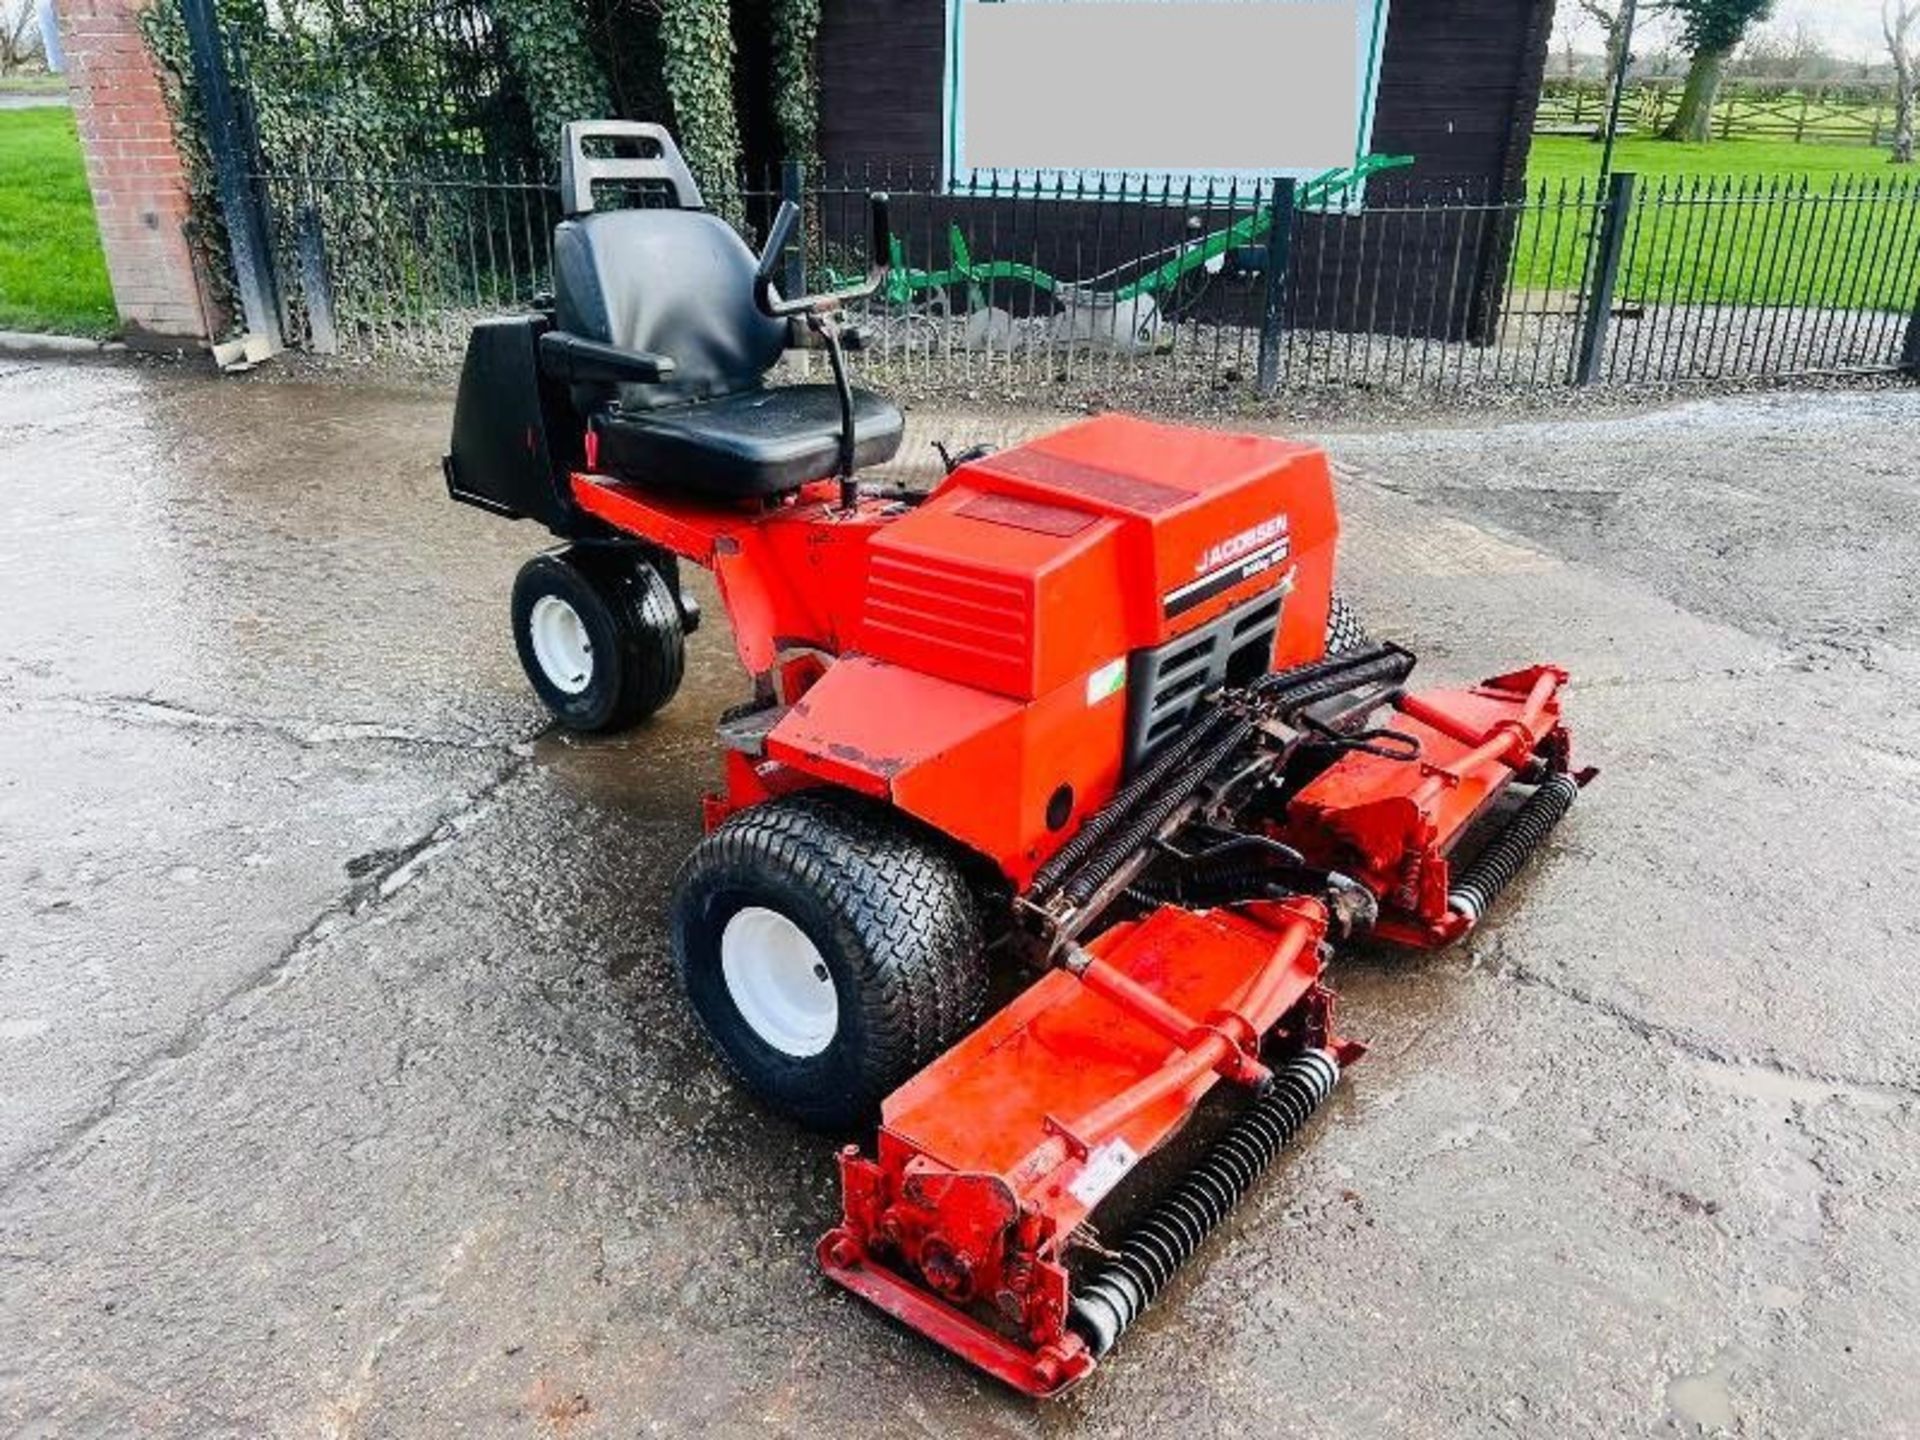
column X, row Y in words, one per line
column 139, row 186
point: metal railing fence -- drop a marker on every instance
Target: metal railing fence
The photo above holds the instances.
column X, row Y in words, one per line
column 1078, row 295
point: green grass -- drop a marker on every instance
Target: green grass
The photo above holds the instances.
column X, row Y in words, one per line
column 32, row 82
column 1737, row 222
column 1556, row 157
column 52, row 274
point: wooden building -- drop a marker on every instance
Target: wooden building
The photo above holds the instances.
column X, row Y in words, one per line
column 1458, row 86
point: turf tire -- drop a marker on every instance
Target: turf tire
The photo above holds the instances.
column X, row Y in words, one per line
column 633, row 624
column 891, row 916
column 1345, row 633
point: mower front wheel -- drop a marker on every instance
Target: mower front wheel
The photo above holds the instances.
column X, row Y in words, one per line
column 829, row 952
column 600, row 636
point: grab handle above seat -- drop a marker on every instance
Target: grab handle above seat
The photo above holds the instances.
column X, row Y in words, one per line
column 658, row 159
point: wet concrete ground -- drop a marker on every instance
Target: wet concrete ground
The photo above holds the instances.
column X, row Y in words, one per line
column 344, row 1089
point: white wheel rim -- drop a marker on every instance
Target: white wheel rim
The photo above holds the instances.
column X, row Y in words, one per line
column 560, row 644
column 778, row 982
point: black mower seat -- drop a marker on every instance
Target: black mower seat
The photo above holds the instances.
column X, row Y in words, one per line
column 747, row 445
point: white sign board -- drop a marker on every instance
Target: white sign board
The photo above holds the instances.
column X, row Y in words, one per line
column 1046, row 95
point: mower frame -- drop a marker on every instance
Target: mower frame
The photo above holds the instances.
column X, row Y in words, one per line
column 1087, row 680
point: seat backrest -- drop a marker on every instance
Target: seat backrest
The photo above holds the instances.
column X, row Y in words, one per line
column 632, row 152
column 678, row 283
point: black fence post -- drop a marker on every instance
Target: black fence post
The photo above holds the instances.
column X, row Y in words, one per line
column 1910, row 351
column 232, row 150
column 1273, row 311
column 316, row 283
column 793, row 186
column 1603, row 275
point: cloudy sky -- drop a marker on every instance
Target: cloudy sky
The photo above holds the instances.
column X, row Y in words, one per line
column 1850, row 27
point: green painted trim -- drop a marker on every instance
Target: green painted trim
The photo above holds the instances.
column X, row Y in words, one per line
column 1370, row 89
column 952, row 118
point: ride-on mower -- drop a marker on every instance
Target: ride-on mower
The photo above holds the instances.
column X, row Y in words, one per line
column 1088, row 709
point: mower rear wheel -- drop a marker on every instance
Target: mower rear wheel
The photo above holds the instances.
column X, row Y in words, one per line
column 600, row 636
column 829, row 952
column 1345, row 633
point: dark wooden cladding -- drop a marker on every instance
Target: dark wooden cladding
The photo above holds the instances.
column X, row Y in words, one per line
column 1459, row 83
column 880, row 64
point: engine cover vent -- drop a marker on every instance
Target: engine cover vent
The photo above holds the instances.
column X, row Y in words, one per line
column 951, row 619
column 1165, row 684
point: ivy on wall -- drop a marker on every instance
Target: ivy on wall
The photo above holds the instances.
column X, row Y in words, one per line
column 796, row 111
column 382, row 87
column 557, row 70
column 379, row 124
column 373, row 82
column 696, row 38
column 625, row 38
column 382, row 123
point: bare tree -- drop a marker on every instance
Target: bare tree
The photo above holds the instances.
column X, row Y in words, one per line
column 1799, row 54
column 19, row 34
column 1611, row 16
column 1897, row 20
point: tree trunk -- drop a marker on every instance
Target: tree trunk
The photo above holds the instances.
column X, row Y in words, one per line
column 1694, row 119
column 1902, row 106
column 1616, row 44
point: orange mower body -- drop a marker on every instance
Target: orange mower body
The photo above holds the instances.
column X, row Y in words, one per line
column 1084, row 724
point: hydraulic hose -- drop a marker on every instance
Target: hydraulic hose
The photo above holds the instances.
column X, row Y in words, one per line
column 1316, row 670
column 1283, row 692
column 1384, row 664
column 1170, row 1233
column 1101, row 823
column 1477, row 885
column 1148, row 817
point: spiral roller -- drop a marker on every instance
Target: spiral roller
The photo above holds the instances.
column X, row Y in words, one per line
column 1167, row 1237
column 1480, row 883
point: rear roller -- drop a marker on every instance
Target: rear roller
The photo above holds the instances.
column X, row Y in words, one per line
column 1170, row 1234
column 1479, row 884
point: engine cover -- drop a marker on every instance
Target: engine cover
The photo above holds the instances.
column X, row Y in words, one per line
column 1039, row 565
column 1053, row 612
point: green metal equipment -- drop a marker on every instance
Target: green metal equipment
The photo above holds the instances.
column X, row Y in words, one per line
column 905, row 282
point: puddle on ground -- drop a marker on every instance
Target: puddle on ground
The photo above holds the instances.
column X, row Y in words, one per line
column 1760, row 1081
column 1702, row 1404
